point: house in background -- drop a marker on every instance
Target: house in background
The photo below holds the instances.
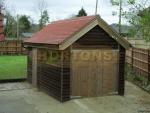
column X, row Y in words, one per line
column 1, row 27
column 26, row 35
column 82, row 57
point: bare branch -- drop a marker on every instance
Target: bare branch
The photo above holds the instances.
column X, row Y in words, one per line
column 41, row 6
column 145, row 2
column 2, row 3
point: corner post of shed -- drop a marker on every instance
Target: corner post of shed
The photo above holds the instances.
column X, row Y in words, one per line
column 121, row 80
column 149, row 65
column 132, row 58
column 34, row 67
column 29, row 64
column 62, row 60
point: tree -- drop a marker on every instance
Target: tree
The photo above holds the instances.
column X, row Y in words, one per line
column 14, row 27
column 145, row 25
column 41, row 6
column 120, row 3
column 81, row 12
column 138, row 16
column 2, row 4
column 10, row 27
column 24, row 23
column 117, row 2
column 44, row 19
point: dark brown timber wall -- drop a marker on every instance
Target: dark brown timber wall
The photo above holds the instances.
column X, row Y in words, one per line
column 55, row 80
column 121, row 71
column 96, row 38
column 52, row 81
column 65, row 84
column 49, row 79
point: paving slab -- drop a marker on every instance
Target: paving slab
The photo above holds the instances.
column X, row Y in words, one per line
column 14, row 86
column 30, row 100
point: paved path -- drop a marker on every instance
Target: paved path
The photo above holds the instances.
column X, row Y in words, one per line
column 33, row 101
column 14, row 86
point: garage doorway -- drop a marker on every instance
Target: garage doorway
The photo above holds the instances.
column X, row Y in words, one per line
column 94, row 72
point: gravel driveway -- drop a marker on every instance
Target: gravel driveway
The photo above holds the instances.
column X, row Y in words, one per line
column 30, row 100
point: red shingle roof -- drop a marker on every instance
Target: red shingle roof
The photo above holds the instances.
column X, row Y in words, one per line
column 58, row 31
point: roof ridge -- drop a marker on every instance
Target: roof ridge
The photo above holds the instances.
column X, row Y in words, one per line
column 74, row 19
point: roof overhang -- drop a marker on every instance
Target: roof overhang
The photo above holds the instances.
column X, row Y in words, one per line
column 40, row 45
column 113, row 33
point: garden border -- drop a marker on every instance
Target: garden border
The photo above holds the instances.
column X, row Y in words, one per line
column 13, row 80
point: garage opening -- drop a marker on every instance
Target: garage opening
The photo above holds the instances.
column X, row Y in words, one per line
column 94, row 72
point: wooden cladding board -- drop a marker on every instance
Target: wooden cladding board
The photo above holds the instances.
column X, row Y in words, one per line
column 90, row 76
column 65, row 95
column 49, row 79
column 52, row 81
column 96, row 38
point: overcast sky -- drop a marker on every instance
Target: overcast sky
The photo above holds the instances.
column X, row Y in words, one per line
column 60, row 9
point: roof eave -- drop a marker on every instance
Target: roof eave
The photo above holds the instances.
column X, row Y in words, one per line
column 40, row 45
column 113, row 33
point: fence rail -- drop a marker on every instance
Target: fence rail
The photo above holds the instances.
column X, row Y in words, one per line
column 12, row 47
column 139, row 60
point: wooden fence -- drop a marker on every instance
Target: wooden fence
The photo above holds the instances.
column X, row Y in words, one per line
column 138, row 42
column 139, row 60
column 12, row 47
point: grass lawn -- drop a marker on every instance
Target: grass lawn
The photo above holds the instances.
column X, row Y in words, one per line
column 12, row 67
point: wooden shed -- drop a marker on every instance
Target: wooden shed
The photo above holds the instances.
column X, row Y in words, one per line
column 81, row 57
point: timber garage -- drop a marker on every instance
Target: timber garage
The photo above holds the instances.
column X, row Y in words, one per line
column 81, row 57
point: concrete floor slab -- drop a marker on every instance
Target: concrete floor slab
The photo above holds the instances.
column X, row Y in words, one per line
column 34, row 101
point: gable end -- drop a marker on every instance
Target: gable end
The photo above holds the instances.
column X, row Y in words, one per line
column 96, row 38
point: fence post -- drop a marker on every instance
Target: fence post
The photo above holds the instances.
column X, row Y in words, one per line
column 132, row 50
column 148, row 65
